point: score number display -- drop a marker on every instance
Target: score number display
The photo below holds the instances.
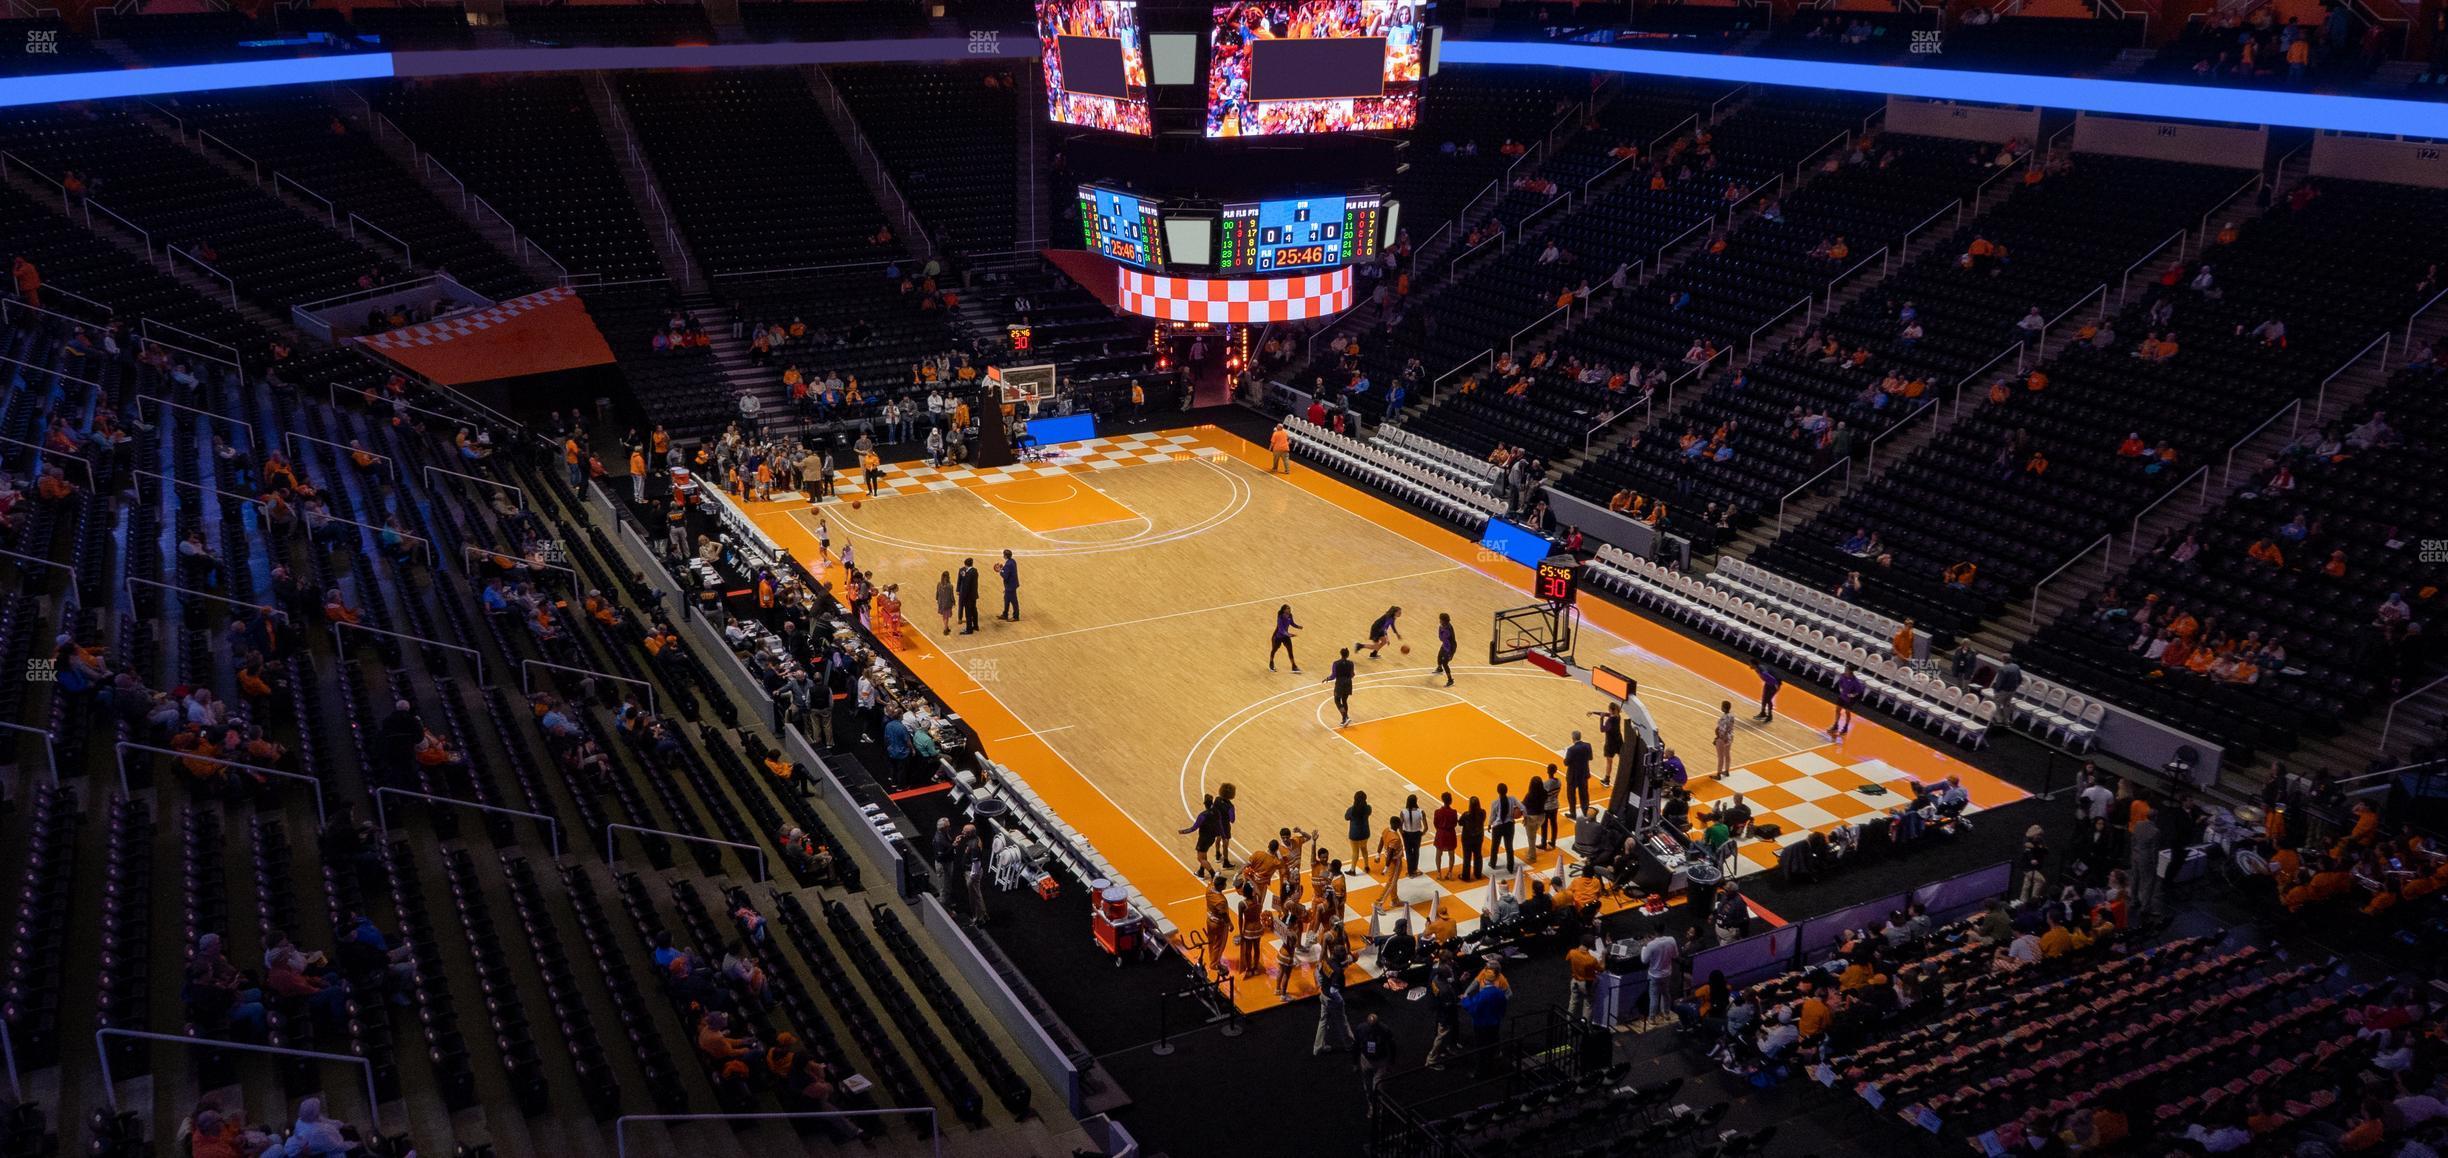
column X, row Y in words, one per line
column 1557, row 579
column 1298, row 233
column 1121, row 226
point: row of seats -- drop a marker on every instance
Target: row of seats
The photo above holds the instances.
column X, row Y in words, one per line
column 1438, row 492
column 1915, row 696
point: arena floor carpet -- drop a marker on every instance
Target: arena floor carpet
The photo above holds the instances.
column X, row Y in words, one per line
column 1136, row 680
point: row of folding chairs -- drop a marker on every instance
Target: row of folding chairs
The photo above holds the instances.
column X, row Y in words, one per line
column 1407, row 479
column 1915, row 696
column 1806, row 603
column 1430, row 452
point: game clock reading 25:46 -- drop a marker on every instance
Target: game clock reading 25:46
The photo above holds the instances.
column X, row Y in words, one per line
column 1558, row 579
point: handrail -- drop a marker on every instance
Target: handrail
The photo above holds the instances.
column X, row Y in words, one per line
column 144, row 329
column 172, row 250
column 612, row 848
column 382, row 818
column 132, row 227
column 471, row 550
column 2320, row 404
column 1751, row 344
column 1838, row 141
column 1453, row 268
column 2133, row 539
column 1521, row 229
column 1703, row 223
column 358, row 295
column 479, row 203
column 61, row 374
column 427, row 160
column 2419, row 311
column 331, row 212
column 2050, row 145
column 1845, row 462
column 2019, row 349
column 2390, row 719
column 2100, row 291
column 203, row 137
column 2249, row 186
column 2227, row 474
column 528, row 245
column 1982, row 190
column 1439, row 382
column 1526, row 154
column 174, row 404
column 1424, row 246
column 1905, row 243
column 1571, row 115
column 47, row 454
column 322, row 814
column 1647, row 406
column 2278, row 170
column 2125, row 280
column 1693, row 372
column 110, row 1088
column 51, row 289
column 1777, row 183
column 51, row 760
column 290, row 439
column 1534, row 324
column 56, row 183
column 355, row 220
column 1603, row 174
column 1870, row 453
column 341, row 649
column 431, row 470
column 1716, row 106
column 833, row 267
column 2032, row 614
column 1692, row 120
column 1882, row 255
column 76, row 595
column 527, row 678
column 6, row 303
column 1470, row 206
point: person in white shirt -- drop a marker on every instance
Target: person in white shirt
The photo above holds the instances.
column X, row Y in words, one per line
column 749, row 408
column 1659, row 954
column 1725, row 740
column 2095, row 801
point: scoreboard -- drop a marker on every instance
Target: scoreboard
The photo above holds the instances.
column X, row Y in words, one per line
column 1298, row 233
column 1121, row 226
column 1557, row 578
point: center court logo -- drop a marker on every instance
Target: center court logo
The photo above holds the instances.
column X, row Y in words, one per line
column 985, row 43
column 45, row 42
column 1927, row 43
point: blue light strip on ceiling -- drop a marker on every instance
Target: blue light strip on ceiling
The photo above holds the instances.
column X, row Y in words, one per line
column 2133, row 98
column 141, row 82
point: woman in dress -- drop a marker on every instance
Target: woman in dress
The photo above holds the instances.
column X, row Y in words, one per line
column 943, row 600
column 1445, row 823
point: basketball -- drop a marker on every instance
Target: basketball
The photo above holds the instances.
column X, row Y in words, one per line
column 1406, row 649
column 857, row 503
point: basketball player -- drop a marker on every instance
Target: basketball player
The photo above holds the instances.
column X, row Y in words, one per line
column 1341, row 677
column 1282, row 641
column 1381, row 631
column 1445, row 647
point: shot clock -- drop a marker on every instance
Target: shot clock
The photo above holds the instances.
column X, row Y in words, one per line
column 1557, row 579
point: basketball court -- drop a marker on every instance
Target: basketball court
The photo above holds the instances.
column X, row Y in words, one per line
column 1136, row 680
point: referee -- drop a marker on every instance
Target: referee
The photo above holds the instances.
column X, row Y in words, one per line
column 1340, row 675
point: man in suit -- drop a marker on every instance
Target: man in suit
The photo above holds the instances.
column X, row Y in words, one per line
column 1577, row 758
column 965, row 586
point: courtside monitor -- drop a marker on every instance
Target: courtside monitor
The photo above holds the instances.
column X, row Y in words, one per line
column 1516, row 542
column 1314, row 66
column 1095, row 64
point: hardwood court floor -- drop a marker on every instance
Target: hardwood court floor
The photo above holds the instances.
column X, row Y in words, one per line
column 1136, row 679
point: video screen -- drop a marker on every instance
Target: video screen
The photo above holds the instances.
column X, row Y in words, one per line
column 1121, row 226
column 1095, row 64
column 1299, row 233
column 1279, row 67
